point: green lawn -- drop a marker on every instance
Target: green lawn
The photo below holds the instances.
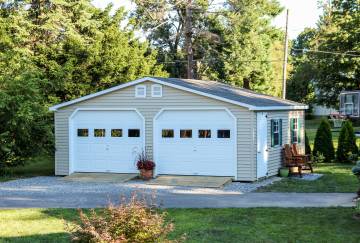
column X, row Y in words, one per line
column 203, row 225
column 336, row 178
column 38, row 166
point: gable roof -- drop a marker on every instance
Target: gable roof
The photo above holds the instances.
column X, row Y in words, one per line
column 211, row 89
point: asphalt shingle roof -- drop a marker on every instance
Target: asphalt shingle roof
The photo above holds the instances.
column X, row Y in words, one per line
column 230, row 92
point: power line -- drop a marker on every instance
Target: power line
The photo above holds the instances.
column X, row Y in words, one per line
column 327, row 52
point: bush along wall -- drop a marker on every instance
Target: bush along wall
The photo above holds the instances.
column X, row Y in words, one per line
column 347, row 150
column 323, row 143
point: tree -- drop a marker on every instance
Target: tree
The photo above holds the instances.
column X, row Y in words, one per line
column 323, row 143
column 233, row 42
column 302, row 77
column 346, row 144
column 96, row 51
column 307, row 144
column 338, row 33
column 53, row 51
column 249, row 37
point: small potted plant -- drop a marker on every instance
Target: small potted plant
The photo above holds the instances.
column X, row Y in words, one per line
column 145, row 166
column 284, row 172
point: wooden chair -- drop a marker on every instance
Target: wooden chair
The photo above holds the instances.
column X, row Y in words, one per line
column 307, row 158
column 292, row 161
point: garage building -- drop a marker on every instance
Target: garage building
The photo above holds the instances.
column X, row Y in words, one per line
column 188, row 127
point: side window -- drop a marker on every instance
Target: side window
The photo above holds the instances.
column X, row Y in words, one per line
column 276, row 132
column 223, row 133
column 134, row 133
column 167, row 133
column 99, row 132
column 140, row 91
column 185, row 133
column 295, row 130
column 83, row 132
column 116, row 132
column 204, row 133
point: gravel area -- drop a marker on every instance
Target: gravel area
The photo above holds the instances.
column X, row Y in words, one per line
column 48, row 185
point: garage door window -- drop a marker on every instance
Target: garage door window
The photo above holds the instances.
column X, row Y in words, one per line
column 204, row 133
column 223, row 133
column 186, row 133
column 99, row 132
column 167, row 133
column 134, row 133
column 83, row 132
column 116, row 132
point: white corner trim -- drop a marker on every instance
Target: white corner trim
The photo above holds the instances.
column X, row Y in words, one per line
column 192, row 109
column 140, row 86
column 71, row 129
column 121, row 86
column 153, row 87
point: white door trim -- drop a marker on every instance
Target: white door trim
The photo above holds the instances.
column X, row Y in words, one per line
column 262, row 154
column 71, row 126
column 192, row 109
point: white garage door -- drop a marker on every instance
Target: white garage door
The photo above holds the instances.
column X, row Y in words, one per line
column 195, row 142
column 106, row 141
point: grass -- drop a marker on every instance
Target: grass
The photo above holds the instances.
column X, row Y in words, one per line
column 202, row 225
column 38, row 166
column 336, row 178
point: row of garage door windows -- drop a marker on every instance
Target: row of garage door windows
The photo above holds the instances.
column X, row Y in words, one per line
column 165, row 133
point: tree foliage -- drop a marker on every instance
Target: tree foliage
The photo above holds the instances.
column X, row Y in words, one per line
column 323, row 143
column 54, row 51
column 332, row 60
column 232, row 43
column 347, row 147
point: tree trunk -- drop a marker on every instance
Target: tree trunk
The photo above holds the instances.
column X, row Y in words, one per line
column 246, row 83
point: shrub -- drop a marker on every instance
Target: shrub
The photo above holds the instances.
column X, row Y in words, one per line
column 130, row 221
column 319, row 158
column 307, row 145
column 323, row 141
column 347, row 150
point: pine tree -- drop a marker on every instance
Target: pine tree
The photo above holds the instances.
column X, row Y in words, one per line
column 346, row 143
column 323, row 141
column 307, row 145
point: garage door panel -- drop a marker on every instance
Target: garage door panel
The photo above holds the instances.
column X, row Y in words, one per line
column 106, row 154
column 195, row 156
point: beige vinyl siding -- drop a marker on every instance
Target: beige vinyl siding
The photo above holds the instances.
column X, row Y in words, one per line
column 149, row 107
column 275, row 153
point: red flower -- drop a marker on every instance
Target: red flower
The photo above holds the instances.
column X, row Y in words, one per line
column 146, row 165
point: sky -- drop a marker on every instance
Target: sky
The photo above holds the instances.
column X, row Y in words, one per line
column 302, row 13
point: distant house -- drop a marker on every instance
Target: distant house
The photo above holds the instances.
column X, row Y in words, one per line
column 321, row 110
column 349, row 103
column 188, row 127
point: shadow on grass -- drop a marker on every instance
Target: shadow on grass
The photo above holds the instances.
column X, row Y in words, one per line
column 51, row 237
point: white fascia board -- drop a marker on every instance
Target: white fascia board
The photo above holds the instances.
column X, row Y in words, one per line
column 121, row 86
column 90, row 96
column 290, row 107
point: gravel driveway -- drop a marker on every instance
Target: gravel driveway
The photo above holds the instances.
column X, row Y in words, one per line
column 48, row 192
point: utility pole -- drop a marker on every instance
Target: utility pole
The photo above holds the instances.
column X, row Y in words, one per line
column 188, row 41
column 285, row 56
